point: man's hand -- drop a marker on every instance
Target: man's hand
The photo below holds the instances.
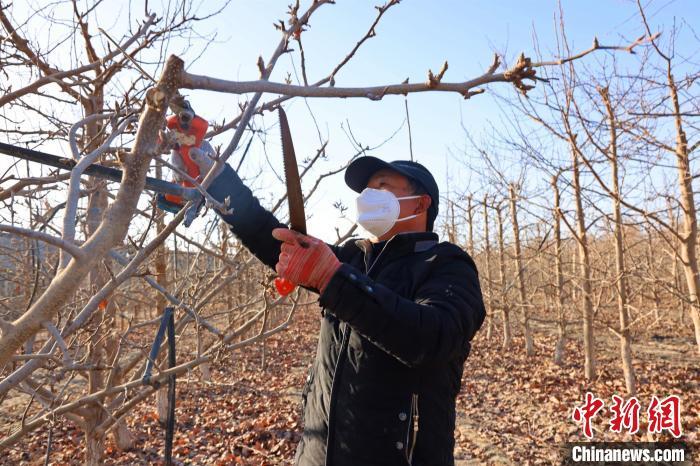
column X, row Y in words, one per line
column 204, row 156
column 305, row 260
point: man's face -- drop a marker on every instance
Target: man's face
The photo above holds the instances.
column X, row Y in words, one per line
column 399, row 185
column 390, row 180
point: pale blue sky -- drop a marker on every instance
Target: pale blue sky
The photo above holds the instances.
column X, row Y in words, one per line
column 411, row 38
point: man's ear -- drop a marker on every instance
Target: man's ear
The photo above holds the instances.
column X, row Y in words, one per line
column 423, row 203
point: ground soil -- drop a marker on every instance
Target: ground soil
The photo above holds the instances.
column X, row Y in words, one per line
column 512, row 409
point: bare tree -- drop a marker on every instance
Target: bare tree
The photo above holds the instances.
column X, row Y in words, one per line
column 489, row 277
column 621, row 282
column 520, row 273
column 503, row 298
column 682, row 150
column 559, row 274
column 115, row 254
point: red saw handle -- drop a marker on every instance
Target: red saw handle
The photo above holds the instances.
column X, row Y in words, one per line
column 284, row 286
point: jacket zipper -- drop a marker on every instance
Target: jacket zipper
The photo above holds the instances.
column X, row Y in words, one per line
column 331, row 403
column 341, row 358
column 376, row 259
column 412, row 433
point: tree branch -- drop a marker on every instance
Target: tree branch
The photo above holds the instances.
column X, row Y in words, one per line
column 67, row 246
column 115, row 224
column 57, row 76
column 521, row 71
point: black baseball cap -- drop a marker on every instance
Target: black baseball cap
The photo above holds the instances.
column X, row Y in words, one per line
column 361, row 170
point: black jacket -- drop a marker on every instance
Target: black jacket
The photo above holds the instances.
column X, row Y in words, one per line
column 395, row 333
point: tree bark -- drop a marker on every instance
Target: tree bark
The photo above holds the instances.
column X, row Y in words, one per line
column 529, row 344
column 489, row 276
column 585, row 272
column 560, row 347
column 689, row 234
column 507, row 336
column 621, row 279
column 452, row 230
column 470, row 218
column 113, row 228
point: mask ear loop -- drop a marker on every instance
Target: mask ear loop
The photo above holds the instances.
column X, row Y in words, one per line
column 409, row 197
column 407, row 218
column 410, row 216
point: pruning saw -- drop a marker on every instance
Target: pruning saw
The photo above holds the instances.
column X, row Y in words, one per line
column 295, row 198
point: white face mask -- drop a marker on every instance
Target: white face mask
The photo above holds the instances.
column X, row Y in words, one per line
column 378, row 210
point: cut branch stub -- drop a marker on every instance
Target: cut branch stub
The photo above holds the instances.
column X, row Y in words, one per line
column 435, row 80
column 470, row 94
column 521, row 70
column 495, row 64
column 115, row 223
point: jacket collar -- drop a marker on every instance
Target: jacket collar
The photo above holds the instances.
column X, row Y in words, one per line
column 402, row 243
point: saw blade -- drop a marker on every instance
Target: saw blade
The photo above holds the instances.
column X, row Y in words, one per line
column 295, row 198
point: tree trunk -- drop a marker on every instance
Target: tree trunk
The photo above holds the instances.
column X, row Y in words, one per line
column 452, row 229
column 585, row 272
column 204, row 368
column 689, row 235
column 529, row 344
column 651, row 268
column 97, row 203
column 229, row 289
column 102, row 344
column 677, row 285
column 621, row 279
column 489, row 276
column 560, row 347
column 94, row 445
column 470, row 216
column 507, row 337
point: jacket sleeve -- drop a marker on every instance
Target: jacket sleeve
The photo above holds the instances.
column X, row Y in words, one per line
column 249, row 221
column 436, row 325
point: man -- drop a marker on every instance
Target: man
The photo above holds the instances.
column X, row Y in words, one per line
column 398, row 313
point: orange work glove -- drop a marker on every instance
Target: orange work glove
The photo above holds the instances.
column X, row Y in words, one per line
column 305, row 260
